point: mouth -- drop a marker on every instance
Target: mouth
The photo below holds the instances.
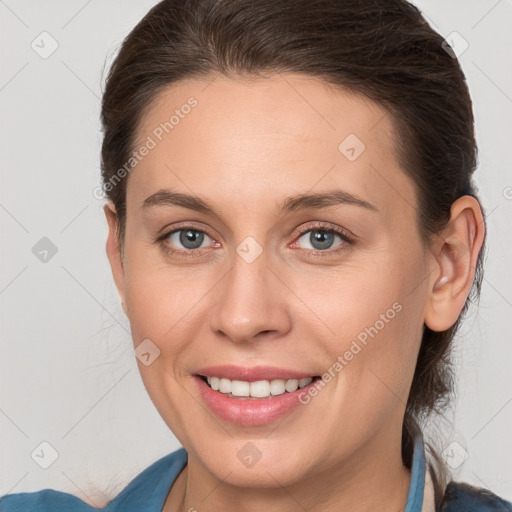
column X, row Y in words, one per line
column 252, row 396
column 256, row 389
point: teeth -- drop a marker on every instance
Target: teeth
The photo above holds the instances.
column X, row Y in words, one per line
column 214, row 383
column 260, row 388
column 240, row 388
column 257, row 389
column 225, row 386
column 291, row 385
column 305, row 382
column 277, row 387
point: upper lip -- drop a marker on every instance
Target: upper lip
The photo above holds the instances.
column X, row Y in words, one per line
column 252, row 374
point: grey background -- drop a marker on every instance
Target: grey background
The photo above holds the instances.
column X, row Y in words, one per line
column 68, row 375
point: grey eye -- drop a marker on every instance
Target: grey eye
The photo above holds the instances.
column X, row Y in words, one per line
column 320, row 239
column 188, row 238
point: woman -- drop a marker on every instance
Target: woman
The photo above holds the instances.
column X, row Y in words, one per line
column 295, row 236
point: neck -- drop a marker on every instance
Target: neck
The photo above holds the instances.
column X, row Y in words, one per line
column 374, row 478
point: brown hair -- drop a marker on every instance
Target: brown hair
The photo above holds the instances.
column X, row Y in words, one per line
column 383, row 49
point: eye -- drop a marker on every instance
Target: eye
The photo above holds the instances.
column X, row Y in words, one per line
column 189, row 241
column 321, row 239
column 189, row 238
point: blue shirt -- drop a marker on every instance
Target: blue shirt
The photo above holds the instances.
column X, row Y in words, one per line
column 149, row 489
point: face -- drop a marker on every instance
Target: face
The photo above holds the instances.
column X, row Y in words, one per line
column 249, row 280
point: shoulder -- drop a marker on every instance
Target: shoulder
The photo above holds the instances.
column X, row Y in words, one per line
column 460, row 496
column 43, row 501
column 150, row 488
column 152, row 482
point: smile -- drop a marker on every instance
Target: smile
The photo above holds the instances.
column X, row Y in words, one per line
column 252, row 396
column 256, row 389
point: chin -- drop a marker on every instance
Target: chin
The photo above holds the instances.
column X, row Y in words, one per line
column 255, row 463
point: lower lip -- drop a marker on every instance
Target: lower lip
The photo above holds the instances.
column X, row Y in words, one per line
column 249, row 411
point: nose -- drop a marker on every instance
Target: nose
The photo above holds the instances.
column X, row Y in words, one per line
column 250, row 303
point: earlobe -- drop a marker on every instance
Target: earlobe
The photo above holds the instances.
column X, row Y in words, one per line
column 455, row 257
column 114, row 252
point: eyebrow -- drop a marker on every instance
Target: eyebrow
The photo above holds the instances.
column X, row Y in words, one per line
column 165, row 197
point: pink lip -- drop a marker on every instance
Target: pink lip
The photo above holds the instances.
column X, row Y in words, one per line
column 253, row 374
column 249, row 411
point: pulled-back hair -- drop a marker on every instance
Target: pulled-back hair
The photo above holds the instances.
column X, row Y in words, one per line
column 383, row 49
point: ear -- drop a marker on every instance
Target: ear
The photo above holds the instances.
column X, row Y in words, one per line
column 114, row 252
column 455, row 255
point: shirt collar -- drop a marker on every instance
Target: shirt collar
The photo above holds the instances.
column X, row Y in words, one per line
column 419, row 498
column 419, row 486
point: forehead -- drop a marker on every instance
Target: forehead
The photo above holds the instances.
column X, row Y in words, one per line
column 243, row 138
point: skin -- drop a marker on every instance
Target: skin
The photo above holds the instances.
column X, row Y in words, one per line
column 249, row 144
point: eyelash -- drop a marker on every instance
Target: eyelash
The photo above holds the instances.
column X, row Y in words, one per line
column 347, row 239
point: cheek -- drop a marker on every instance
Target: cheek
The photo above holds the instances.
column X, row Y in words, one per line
column 160, row 303
column 375, row 311
column 372, row 360
column 160, row 297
